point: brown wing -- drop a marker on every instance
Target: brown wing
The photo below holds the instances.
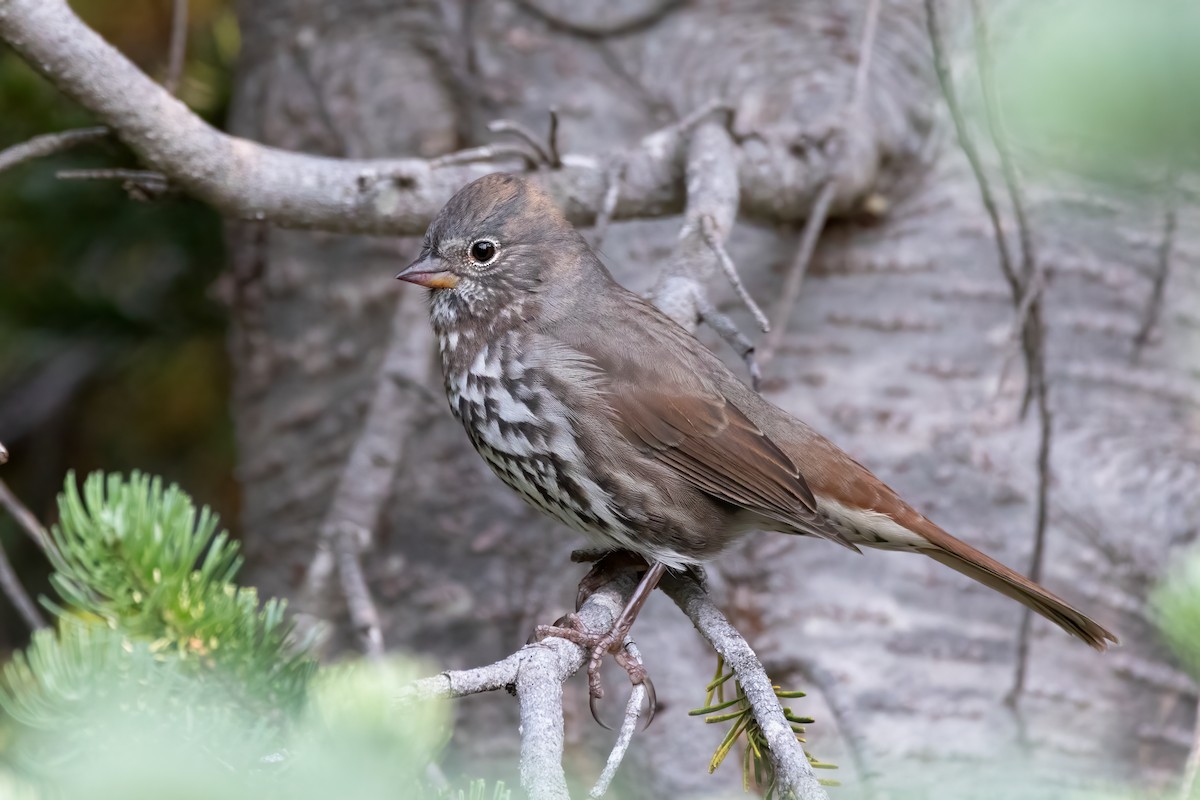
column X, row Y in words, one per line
column 716, row 448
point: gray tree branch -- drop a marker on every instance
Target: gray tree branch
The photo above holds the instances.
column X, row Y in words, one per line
column 247, row 180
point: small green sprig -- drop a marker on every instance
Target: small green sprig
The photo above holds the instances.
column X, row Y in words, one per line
column 757, row 770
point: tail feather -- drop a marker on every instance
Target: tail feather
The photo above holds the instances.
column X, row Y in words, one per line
column 960, row 556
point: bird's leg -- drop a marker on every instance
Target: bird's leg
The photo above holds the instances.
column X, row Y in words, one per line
column 569, row 627
column 607, row 565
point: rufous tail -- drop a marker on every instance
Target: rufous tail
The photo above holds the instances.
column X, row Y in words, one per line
column 960, row 556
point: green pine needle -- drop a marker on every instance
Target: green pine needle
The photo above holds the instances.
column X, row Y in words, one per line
column 757, row 770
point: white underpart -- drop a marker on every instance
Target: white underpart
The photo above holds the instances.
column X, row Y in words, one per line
column 863, row 526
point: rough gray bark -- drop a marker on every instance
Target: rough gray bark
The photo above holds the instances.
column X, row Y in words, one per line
column 894, row 351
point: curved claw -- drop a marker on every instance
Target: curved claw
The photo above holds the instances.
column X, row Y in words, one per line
column 596, row 712
column 651, row 701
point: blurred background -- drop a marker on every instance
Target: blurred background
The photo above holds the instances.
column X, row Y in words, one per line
column 112, row 336
column 237, row 359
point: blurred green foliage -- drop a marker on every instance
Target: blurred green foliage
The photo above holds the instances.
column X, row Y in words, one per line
column 164, row 679
column 1106, row 87
column 112, row 347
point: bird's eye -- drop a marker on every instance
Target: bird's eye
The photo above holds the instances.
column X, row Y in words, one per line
column 483, row 252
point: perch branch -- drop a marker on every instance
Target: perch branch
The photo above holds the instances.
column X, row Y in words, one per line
column 364, row 487
column 48, row 144
column 794, row 775
column 633, row 710
column 537, row 672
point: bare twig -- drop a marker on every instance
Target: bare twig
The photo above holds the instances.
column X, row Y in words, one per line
column 612, row 192
column 732, row 336
column 552, row 140
column 1027, row 299
column 817, row 216
column 364, row 487
column 9, row 582
column 967, row 143
column 178, row 47
column 794, row 776
column 1165, row 249
column 24, row 517
column 528, row 137
column 713, row 238
column 488, row 152
column 16, row 593
column 141, row 184
column 712, row 191
column 791, row 288
column 1187, row 789
column 633, row 710
column 606, row 29
column 48, row 144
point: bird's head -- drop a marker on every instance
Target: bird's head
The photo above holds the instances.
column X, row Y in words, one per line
column 499, row 239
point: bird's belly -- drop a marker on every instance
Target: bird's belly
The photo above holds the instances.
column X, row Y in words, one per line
column 535, row 454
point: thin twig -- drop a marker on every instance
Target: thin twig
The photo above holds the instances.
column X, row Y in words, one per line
column 603, row 30
column 713, row 238
column 817, row 216
column 612, row 193
column 25, row 518
column 524, row 134
column 732, row 336
column 793, row 774
column 365, row 485
column 348, row 542
column 552, row 140
column 178, row 47
column 866, row 49
column 967, row 143
column 1187, row 789
column 488, row 152
column 1029, row 305
column 48, row 144
column 633, row 710
column 12, row 587
column 1165, row 249
column 791, row 288
column 139, row 183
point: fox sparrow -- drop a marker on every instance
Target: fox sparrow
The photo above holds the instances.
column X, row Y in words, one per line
column 604, row 413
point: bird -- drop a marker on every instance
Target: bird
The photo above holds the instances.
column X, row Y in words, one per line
column 610, row 417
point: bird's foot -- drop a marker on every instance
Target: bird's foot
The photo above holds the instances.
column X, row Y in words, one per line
column 570, row 627
column 606, row 565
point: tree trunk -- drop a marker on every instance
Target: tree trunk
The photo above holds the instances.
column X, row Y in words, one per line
column 895, row 349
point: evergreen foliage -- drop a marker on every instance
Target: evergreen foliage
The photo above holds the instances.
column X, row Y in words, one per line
column 164, row 679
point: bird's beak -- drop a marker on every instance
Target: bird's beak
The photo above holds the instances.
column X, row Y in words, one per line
column 426, row 271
